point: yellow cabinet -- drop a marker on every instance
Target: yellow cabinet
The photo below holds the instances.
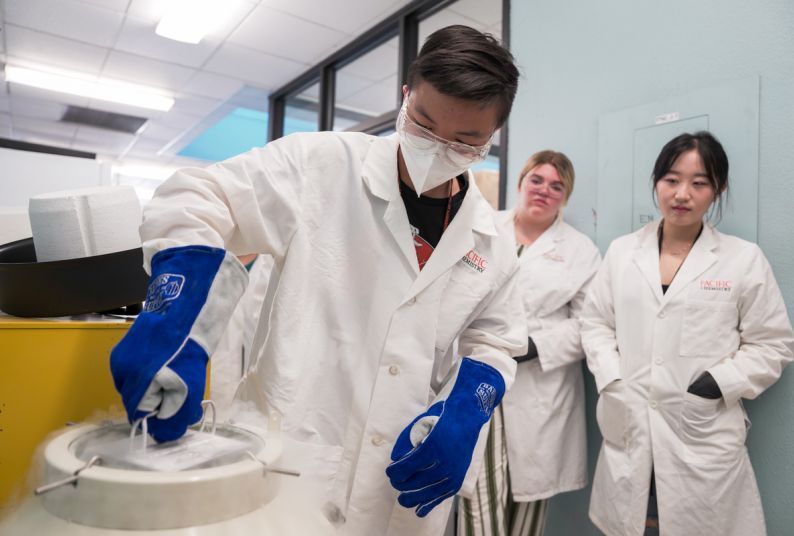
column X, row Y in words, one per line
column 52, row 372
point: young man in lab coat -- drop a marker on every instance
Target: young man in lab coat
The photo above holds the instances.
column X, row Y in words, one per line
column 372, row 282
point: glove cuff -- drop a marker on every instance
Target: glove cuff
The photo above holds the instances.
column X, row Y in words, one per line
column 478, row 386
column 226, row 290
column 196, row 288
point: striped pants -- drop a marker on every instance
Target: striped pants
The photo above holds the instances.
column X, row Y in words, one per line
column 491, row 511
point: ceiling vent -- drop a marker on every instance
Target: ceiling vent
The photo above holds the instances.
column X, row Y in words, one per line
column 128, row 124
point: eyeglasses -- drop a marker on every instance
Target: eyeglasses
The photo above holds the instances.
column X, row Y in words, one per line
column 461, row 154
column 536, row 183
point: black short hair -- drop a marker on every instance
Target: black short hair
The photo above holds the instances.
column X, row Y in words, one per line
column 711, row 153
column 462, row 62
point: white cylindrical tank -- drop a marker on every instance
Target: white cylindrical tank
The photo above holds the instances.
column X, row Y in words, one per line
column 234, row 494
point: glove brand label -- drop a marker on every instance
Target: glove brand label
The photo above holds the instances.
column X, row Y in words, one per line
column 486, row 397
column 165, row 288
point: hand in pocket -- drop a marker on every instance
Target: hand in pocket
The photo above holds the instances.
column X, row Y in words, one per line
column 612, row 415
column 705, row 386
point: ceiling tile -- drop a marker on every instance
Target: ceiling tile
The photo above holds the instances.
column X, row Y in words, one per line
column 146, row 148
column 347, row 85
column 30, row 136
column 260, row 69
column 175, row 119
column 140, row 70
column 274, row 32
column 211, row 85
column 53, row 51
column 44, row 127
column 102, row 141
column 375, row 99
column 382, row 15
column 17, row 90
column 485, row 12
column 104, row 149
column 5, row 104
column 66, row 18
column 155, row 130
column 346, row 16
column 376, row 64
column 37, row 108
column 138, row 37
column 113, row 5
column 87, row 133
column 151, row 10
column 252, row 97
column 193, row 105
column 443, row 18
column 5, row 119
column 118, row 108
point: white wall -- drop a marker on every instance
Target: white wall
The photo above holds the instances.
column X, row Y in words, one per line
column 581, row 59
column 24, row 174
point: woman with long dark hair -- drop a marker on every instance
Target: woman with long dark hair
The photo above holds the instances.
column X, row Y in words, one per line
column 680, row 324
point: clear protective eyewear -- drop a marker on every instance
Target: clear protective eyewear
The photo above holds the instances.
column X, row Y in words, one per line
column 538, row 184
column 422, row 139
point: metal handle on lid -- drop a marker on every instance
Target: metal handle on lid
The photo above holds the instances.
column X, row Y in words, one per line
column 143, row 424
column 68, row 480
column 269, row 469
column 207, row 404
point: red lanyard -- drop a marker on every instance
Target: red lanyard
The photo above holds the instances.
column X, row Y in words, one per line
column 449, row 207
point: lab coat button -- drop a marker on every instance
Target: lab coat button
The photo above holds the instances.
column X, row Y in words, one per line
column 658, row 360
column 412, row 301
column 653, row 404
column 378, row 440
column 661, row 314
column 394, row 370
column 334, row 514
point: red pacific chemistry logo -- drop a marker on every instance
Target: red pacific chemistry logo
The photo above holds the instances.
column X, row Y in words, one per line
column 720, row 285
column 475, row 261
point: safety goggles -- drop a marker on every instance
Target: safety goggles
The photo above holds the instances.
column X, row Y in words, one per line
column 422, row 139
column 538, row 185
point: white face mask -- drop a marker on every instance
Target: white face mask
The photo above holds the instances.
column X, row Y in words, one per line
column 432, row 161
column 429, row 168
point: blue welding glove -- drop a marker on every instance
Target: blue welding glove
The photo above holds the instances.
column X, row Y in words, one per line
column 161, row 363
column 431, row 456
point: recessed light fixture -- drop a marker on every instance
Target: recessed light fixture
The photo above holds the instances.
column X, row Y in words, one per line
column 83, row 86
column 189, row 21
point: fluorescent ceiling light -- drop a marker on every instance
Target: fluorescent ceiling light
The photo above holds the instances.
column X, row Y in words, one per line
column 189, row 21
column 80, row 85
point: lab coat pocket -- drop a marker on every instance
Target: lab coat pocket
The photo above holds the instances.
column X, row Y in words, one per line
column 710, row 431
column 708, row 328
column 318, row 465
column 612, row 417
column 460, row 299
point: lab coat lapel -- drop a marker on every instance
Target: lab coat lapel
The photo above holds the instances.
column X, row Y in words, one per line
column 546, row 242
column 474, row 215
column 646, row 257
column 379, row 173
column 699, row 259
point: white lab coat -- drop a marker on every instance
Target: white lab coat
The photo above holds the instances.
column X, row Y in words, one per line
column 356, row 331
column 723, row 313
column 232, row 356
column 544, row 411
